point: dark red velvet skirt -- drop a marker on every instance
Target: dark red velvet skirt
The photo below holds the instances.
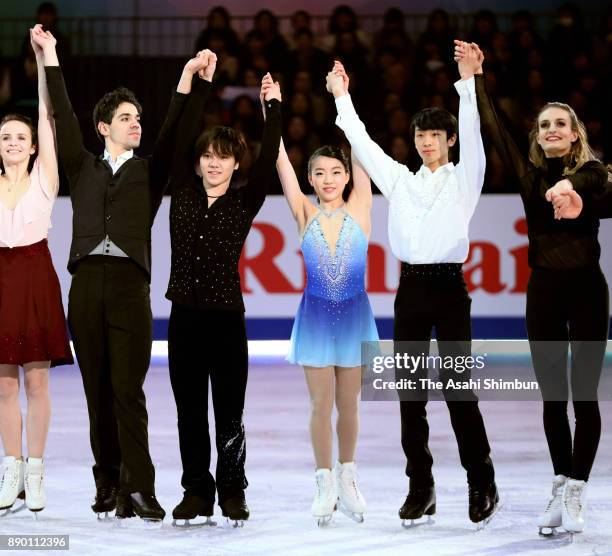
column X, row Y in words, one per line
column 32, row 321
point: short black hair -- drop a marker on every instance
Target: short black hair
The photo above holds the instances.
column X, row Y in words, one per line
column 434, row 118
column 225, row 141
column 107, row 106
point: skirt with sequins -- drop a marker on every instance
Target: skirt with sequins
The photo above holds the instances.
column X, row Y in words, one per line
column 32, row 321
column 329, row 332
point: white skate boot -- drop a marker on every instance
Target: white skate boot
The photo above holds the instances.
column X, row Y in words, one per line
column 36, row 499
column 574, row 506
column 11, row 484
column 326, row 497
column 352, row 503
column 551, row 517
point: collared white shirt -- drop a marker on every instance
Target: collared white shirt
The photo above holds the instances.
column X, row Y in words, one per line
column 429, row 212
column 121, row 159
column 106, row 246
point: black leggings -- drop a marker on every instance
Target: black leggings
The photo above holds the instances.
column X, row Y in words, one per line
column 569, row 307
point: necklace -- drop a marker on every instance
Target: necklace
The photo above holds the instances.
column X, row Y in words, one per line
column 214, row 196
column 330, row 213
column 15, row 185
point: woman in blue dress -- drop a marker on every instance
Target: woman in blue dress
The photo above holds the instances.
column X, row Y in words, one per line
column 334, row 316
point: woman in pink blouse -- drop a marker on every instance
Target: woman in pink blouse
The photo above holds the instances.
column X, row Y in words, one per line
column 32, row 324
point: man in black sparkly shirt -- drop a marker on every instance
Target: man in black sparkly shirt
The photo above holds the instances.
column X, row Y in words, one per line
column 209, row 223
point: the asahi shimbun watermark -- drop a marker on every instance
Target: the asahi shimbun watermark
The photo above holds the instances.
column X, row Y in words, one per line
column 486, row 370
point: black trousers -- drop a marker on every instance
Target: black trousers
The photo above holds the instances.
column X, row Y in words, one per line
column 109, row 314
column 436, row 296
column 569, row 307
column 203, row 346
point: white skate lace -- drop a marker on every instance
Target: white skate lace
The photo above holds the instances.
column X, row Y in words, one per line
column 3, row 481
column 34, row 482
column 572, row 501
column 350, row 481
column 553, row 502
column 556, row 497
column 320, row 487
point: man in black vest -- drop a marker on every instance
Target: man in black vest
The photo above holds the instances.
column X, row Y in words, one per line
column 115, row 198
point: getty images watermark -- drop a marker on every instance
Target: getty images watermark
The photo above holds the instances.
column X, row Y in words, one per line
column 486, row 370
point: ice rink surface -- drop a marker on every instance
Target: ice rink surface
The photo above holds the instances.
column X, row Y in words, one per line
column 281, row 476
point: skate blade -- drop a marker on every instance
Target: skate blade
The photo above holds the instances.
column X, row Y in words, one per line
column 356, row 517
column 324, row 520
column 412, row 523
column 106, row 518
column 481, row 525
column 235, row 523
column 190, row 524
column 13, row 509
column 548, row 531
column 143, row 523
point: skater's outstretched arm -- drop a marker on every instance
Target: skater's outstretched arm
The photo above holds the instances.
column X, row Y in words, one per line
column 297, row 201
column 70, row 146
column 47, row 151
column 360, row 199
column 262, row 174
column 174, row 144
column 385, row 171
column 472, row 159
column 493, row 130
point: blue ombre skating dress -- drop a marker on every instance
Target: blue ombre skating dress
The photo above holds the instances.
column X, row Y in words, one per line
column 334, row 316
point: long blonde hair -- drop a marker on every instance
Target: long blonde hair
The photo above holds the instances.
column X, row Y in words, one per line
column 580, row 151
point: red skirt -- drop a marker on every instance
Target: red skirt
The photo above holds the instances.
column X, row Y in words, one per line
column 32, row 321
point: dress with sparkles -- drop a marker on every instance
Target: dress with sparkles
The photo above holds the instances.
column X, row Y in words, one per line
column 334, row 316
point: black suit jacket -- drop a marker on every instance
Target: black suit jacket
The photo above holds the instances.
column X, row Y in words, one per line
column 123, row 205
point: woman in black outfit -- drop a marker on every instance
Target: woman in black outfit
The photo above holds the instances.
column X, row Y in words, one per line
column 209, row 223
column 567, row 294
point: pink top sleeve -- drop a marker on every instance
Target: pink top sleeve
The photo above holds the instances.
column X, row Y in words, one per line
column 30, row 220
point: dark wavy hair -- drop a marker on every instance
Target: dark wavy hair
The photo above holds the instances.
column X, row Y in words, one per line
column 27, row 121
column 107, row 106
column 331, row 151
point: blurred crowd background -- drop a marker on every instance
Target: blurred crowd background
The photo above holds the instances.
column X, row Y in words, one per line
column 394, row 72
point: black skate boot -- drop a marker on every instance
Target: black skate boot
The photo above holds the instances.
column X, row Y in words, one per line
column 419, row 502
column 235, row 509
column 190, row 508
column 143, row 505
column 105, row 501
column 484, row 502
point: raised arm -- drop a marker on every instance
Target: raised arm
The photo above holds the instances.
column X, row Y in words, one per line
column 47, row 152
column 296, row 200
column 262, row 173
column 385, row 171
column 493, row 130
column 173, row 151
column 70, row 145
column 362, row 186
column 472, row 159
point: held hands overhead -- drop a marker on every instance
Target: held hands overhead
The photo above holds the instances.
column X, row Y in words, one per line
column 269, row 89
column 566, row 202
column 337, row 80
column 40, row 40
column 469, row 58
column 203, row 63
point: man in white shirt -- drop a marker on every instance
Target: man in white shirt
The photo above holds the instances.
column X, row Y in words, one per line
column 429, row 216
